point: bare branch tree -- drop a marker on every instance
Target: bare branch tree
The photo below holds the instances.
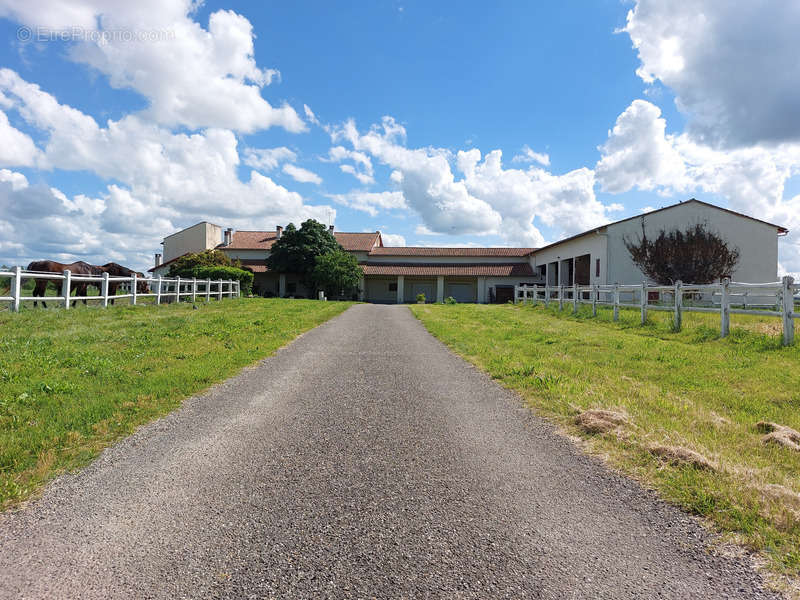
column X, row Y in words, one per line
column 695, row 255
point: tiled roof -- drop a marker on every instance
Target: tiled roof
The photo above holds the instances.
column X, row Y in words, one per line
column 358, row 242
column 251, row 240
column 263, row 240
column 431, row 269
column 422, row 251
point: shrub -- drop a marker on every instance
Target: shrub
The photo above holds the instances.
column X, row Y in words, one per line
column 245, row 278
column 450, row 300
column 420, row 298
column 185, row 265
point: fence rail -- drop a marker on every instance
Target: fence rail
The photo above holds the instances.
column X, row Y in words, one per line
column 159, row 288
column 725, row 298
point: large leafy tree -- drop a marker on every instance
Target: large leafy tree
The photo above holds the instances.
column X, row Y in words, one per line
column 297, row 249
column 337, row 273
column 695, row 255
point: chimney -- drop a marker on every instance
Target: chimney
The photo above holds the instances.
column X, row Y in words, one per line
column 227, row 236
column 158, row 259
column 330, row 228
column 278, row 231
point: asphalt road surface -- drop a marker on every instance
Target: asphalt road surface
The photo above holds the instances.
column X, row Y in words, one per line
column 363, row 460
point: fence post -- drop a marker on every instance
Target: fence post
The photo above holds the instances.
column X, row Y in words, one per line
column 516, row 294
column 678, row 305
column 104, row 289
column 724, row 309
column 16, row 288
column 178, row 288
column 788, row 310
column 643, row 302
column 219, row 289
column 561, row 297
column 158, row 291
column 535, row 294
column 546, row 295
column 134, row 285
column 65, row 287
column 575, row 297
column 595, row 293
column 194, row 289
column 208, row 290
column 616, row 301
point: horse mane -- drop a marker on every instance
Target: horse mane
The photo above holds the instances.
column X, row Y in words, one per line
column 113, row 268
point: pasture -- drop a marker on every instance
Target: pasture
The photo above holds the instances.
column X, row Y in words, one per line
column 687, row 389
column 72, row 382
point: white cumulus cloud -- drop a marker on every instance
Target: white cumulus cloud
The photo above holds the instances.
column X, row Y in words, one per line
column 268, row 158
column 371, row 202
column 162, row 181
column 192, row 76
column 732, row 65
column 301, row 175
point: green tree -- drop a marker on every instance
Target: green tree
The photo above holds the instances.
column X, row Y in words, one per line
column 337, row 273
column 297, row 250
column 185, row 265
column 696, row 255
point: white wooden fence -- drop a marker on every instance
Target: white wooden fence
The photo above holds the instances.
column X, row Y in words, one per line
column 725, row 298
column 162, row 289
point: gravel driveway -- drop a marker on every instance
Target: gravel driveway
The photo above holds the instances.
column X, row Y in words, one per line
column 362, row 460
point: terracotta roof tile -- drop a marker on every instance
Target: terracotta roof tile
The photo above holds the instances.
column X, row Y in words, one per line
column 251, row 240
column 422, row 251
column 469, row 270
column 358, row 242
column 263, row 240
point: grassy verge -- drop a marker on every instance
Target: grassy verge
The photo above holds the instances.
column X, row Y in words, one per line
column 688, row 389
column 72, row 382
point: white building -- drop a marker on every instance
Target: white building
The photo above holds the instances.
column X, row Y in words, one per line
column 490, row 274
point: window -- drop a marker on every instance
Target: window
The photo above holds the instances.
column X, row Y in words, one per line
column 393, row 287
column 597, row 268
column 291, row 288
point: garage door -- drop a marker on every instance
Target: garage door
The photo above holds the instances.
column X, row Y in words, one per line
column 463, row 292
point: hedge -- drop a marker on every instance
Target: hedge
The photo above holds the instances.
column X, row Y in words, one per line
column 245, row 278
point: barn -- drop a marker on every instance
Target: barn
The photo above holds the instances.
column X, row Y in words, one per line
column 489, row 274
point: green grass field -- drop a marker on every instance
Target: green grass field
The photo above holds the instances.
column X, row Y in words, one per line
column 72, row 382
column 688, row 389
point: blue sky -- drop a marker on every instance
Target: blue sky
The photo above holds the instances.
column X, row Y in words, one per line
column 443, row 123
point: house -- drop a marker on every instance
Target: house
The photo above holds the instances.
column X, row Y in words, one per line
column 398, row 274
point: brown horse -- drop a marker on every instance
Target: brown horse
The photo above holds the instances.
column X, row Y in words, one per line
column 116, row 270
column 51, row 266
